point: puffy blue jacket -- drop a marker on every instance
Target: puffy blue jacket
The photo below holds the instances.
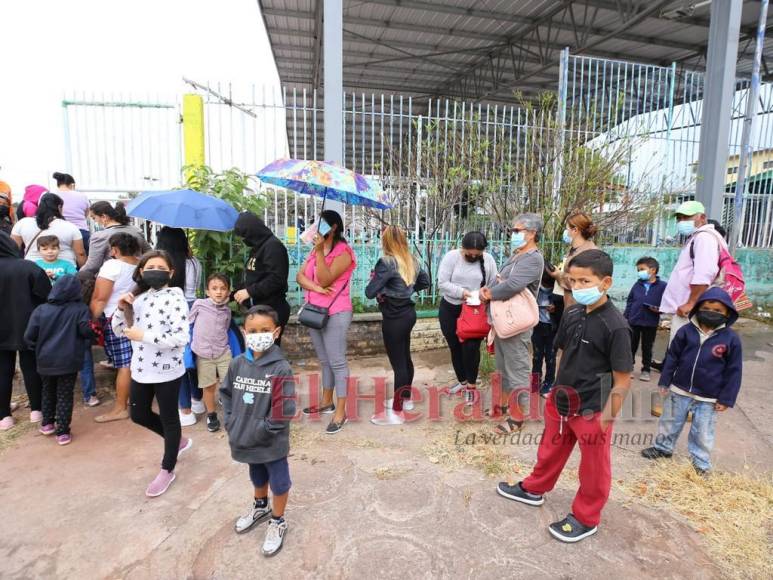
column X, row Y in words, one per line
column 711, row 369
column 640, row 298
column 60, row 330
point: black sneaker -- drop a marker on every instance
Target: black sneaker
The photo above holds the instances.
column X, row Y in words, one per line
column 654, row 453
column 213, row 423
column 517, row 493
column 334, row 427
column 326, row 410
column 657, row 365
column 704, row 473
column 570, row 530
column 544, row 389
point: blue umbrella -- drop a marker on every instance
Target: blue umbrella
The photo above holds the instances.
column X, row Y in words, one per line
column 184, row 208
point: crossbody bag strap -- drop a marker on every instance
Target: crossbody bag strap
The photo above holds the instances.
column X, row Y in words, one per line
column 28, row 247
column 337, row 294
column 482, row 272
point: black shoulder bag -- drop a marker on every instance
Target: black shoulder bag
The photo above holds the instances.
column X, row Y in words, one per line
column 316, row 317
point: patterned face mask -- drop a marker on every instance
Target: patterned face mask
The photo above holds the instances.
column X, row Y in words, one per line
column 260, row 341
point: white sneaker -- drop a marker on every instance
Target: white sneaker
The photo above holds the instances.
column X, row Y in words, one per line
column 187, row 420
column 388, row 417
column 275, row 536
column 407, row 404
column 456, row 388
column 198, row 407
column 92, row 401
column 254, row 516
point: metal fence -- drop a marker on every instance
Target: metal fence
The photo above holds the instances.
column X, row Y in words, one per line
column 512, row 157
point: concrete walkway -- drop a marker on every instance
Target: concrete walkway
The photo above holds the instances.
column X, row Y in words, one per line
column 381, row 502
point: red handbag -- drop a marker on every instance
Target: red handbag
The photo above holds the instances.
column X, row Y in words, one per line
column 472, row 323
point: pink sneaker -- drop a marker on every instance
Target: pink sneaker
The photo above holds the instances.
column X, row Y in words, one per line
column 65, row 439
column 36, row 417
column 7, row 423
column 47, row 429
column 185, row 444
column 159, row 485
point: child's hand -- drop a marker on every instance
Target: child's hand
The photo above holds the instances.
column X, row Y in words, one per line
column 663, row 391
column 134, row 334
column 720, row 407
column 50, row 274
column 551, row 308
column 125, row 300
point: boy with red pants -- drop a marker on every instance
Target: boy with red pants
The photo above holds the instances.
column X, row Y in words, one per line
column 595, row 341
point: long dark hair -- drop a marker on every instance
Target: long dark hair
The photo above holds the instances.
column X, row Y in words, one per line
column 49, row 209
column 333, row 218
column 146, row 257
column 174, row 242
column 117, row 213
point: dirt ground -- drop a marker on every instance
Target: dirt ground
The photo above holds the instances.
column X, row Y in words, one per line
column 385, row 502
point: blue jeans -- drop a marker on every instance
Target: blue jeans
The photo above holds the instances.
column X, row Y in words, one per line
column 701, row 439
column 88, row 382
column 189, row 389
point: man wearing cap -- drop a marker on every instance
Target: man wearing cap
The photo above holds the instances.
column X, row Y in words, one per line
column 697, row 266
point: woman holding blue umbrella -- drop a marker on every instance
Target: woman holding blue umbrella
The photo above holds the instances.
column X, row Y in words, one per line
column 186, row 277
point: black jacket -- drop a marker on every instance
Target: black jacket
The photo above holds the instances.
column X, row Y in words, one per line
column 23, row 285
column 385, row 281
column 60, row 331
column 267, row 269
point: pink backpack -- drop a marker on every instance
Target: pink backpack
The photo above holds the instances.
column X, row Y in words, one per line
column 730, row 276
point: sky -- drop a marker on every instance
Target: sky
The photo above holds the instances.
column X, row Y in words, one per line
column 53, row 47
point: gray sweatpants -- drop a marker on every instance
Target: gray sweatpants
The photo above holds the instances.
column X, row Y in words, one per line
column 330, row 344
column 513, row 358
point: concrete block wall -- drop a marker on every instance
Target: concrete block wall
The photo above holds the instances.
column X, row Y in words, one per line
column 364, row 337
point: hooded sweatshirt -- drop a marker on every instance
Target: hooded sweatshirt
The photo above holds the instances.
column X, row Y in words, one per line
column 23, row 286
column 267, row 268
column 60, row 330
column 32, row 195
column 258, row 397
column 707, row 365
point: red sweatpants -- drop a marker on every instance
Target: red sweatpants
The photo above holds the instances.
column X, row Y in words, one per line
column 558, row 440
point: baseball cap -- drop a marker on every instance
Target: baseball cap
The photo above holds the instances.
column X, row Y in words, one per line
column 690, row 208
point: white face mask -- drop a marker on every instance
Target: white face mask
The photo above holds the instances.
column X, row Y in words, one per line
column 260, row 341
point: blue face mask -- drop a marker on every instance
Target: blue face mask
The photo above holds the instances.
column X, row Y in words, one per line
column 587, row 296
column 685, row 228
column 517, row 240
column 566, row 237
column 323, row 228
column 644, row 275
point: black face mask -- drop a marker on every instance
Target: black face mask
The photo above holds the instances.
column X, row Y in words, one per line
column 156, row 278
column 710, row 318
column 472, row 259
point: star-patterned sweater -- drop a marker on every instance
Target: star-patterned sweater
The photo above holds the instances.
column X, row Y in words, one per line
column 163, row 316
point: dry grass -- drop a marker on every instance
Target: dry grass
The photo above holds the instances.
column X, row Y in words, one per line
column 448, row 448
column 732, row 511
column 384, row 473
column 8, row 438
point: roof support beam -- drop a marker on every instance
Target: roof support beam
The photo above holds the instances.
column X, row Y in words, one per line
column 530, row 21
column 317, row 43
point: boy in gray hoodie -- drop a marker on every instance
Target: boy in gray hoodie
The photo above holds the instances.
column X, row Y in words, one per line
column 258, row 396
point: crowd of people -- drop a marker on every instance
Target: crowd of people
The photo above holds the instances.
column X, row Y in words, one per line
column 168, row 331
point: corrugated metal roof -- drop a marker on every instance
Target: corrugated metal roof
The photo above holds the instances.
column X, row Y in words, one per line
column 486, row 49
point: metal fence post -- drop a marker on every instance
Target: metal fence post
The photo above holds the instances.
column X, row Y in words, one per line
column 563, row 75
column 748, row 122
